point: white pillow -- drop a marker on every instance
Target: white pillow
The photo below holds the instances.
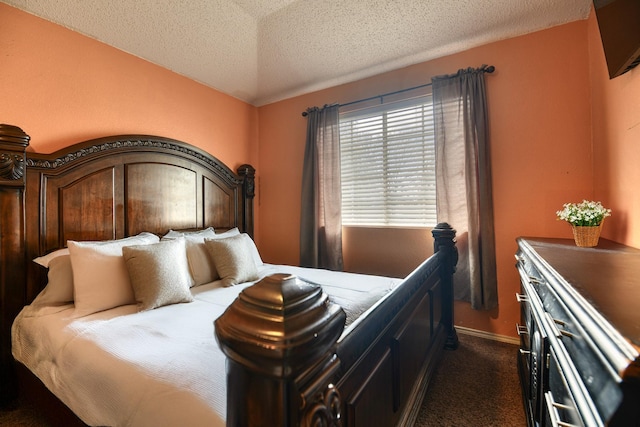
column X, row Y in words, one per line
column 201, row 266
column 233, row 259
column 59, row 289
column 254, row 250
column 100, row 276
column 159, row 273
column 46, row 259
column 204, row 233
column 229, row 233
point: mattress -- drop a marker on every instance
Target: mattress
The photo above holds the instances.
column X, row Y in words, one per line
column 122, row 367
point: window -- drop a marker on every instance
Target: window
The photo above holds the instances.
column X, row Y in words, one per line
column 388, row 164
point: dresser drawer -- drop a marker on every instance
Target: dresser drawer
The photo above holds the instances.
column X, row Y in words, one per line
column 533, row 347
column 591, row 366
column 530, row 274
column 560, row 406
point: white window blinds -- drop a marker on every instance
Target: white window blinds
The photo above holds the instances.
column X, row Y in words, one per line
column 388, row 165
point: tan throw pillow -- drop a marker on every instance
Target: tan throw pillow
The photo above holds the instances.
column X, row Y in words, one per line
column 159, row 273
column 233, row 259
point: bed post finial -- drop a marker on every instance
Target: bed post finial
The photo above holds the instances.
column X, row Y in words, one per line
column 279, row 337
column 444, row 237
column 13, row 145
column 248, row 173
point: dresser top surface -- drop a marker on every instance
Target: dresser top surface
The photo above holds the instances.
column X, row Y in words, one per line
column 607, row 276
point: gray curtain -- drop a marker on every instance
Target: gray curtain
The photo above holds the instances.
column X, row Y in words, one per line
column 464, row 196
column 320, row 215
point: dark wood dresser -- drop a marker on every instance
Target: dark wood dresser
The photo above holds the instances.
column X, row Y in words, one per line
column 579, row 361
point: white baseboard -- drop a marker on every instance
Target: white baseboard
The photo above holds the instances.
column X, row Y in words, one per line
column 487, row 335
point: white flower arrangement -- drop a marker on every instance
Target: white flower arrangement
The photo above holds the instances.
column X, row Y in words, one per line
column 584, row 214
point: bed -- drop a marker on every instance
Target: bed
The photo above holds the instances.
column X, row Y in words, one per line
column 291, row 346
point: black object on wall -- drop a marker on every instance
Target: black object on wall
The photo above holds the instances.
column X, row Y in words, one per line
column 619, row 23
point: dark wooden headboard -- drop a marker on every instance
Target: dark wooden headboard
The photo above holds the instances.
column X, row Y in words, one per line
column 102, row 189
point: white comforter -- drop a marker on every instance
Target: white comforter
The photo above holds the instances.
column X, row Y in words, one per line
column 161, row 367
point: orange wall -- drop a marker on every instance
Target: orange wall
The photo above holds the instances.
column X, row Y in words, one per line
column 61, row 87
column 539, row 106
column 616, row 143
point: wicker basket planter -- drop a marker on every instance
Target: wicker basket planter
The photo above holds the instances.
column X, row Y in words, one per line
column 587, row 237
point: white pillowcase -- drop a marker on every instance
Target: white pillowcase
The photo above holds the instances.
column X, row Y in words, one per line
column 208, row 232
column 45, row 260
column 59, row 289
column 159, row 273
column 253, row 249
column 229, row 233
column 100, row 276
column 200, row 265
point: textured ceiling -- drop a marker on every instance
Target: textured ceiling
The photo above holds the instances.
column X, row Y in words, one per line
column 262, row 51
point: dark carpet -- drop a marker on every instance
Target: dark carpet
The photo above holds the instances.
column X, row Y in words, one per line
column 475, row 385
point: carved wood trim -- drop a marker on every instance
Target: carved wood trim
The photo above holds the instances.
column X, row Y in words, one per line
column 126, row 142
column 11, row 166
column 13, row 144
column 324, row 410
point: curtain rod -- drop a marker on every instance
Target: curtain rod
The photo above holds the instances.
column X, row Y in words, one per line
column 490, row 69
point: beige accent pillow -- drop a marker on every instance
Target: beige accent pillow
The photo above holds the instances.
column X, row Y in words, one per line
column 233, row 259
column 100, row 276
column 159, row 273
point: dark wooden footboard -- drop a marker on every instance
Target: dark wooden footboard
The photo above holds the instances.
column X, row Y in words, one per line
column 291, row 363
